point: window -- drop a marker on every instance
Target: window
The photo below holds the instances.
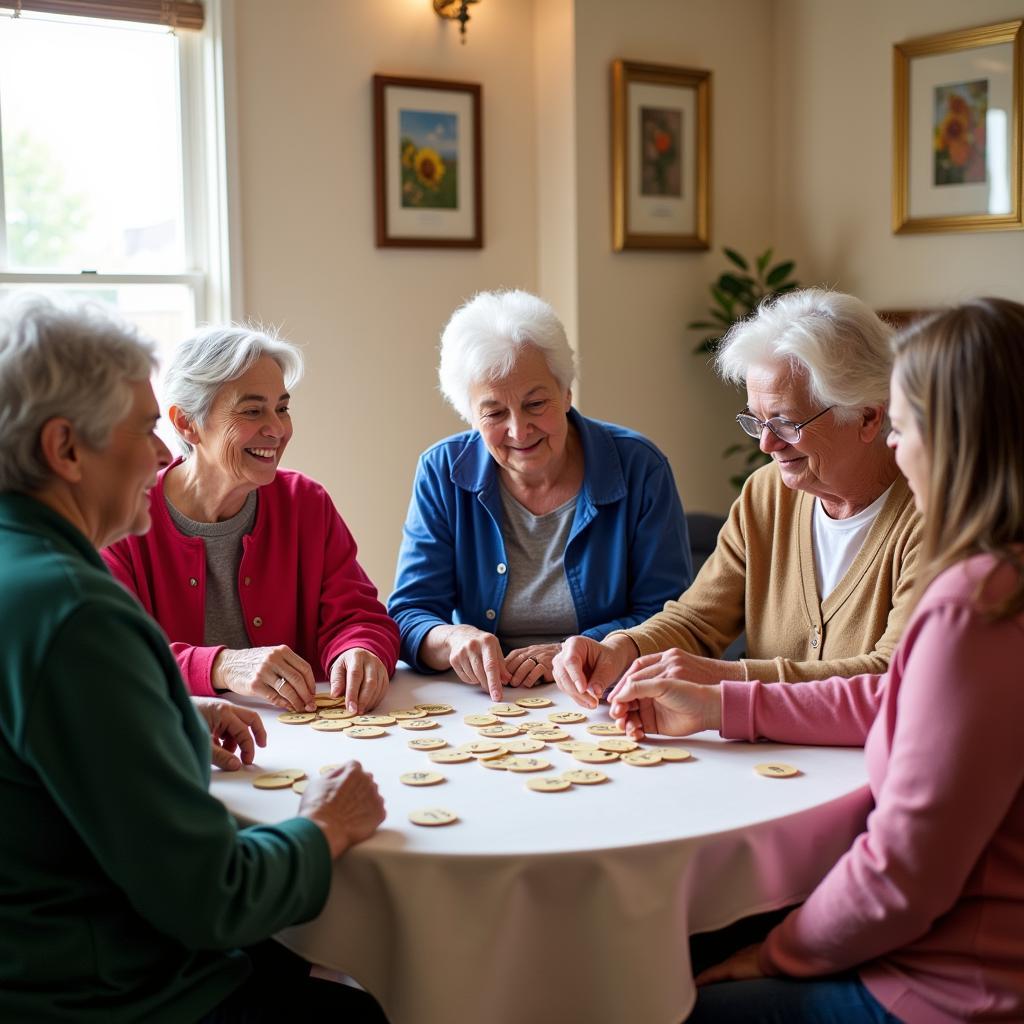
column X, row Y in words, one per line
column 110, row 185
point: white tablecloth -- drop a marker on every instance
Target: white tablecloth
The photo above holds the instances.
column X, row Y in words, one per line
column 570, row 906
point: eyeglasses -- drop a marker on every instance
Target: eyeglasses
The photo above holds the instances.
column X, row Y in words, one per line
column 783, row 429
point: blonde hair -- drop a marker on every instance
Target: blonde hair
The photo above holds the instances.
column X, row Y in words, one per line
column 961, row 372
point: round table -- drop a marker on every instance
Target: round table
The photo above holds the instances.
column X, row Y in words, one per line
column 572, row 905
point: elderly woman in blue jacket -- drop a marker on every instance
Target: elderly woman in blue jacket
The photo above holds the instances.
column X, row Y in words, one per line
column 538, row 523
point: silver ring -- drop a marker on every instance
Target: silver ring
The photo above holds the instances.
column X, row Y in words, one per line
column 530, row 657
column 280, row 682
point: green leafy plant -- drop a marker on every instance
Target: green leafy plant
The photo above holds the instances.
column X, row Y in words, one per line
column 736, row 295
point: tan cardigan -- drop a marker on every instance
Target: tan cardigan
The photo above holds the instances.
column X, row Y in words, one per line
column 760, row 578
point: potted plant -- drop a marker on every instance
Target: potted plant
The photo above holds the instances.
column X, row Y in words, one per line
column 736, row 294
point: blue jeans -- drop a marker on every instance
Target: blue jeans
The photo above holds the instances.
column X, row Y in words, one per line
column 841, row 999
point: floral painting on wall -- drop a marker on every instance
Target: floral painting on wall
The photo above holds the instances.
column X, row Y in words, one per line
column 661, row 156
column 430, row 159
column 960, row 111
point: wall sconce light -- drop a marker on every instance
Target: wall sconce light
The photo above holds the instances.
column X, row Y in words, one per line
column 457, row 10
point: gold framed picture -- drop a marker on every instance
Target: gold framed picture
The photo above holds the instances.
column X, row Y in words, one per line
column 661, row 156
column 957, row 131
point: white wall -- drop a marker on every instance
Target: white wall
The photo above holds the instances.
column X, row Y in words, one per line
column 834, row 152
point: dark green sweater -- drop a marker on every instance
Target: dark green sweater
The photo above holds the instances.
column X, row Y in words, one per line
column 125, row 888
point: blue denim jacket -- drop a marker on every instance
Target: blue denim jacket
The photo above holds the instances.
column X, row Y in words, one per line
column 628, row 552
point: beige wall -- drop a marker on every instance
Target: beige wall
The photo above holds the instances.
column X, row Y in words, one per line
column 801, row 159
column 833, row 124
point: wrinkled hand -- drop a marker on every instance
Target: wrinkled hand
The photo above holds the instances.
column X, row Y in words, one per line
column 345, row 804
column 274, row 674
column 531, row 665
column 584, row 668
column 741, row 966
column 679, row 664
column 231, row 729
column 668, row 707
column 360, row 677
column 476, row 659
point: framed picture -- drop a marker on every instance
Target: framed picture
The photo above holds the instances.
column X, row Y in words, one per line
column 661, row 156
column 957, row 131
column 429, row 173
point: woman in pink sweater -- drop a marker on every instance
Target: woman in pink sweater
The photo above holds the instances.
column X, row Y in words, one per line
column 922, row 920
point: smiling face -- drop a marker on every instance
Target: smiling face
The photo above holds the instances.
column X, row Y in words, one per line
column 522, row 418
column 905, row 440
column 116, row 480
column 247, row 429
column 830, row 459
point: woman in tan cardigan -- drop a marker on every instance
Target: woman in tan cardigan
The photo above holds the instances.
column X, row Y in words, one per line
column 817, row 558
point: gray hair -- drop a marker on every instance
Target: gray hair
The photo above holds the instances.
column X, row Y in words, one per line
column 216, row 355
column 75, row 361
column 485, row 337
column 835, row 339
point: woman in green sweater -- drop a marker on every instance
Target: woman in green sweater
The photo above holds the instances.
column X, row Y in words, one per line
column 816, row 560
column 127, row 892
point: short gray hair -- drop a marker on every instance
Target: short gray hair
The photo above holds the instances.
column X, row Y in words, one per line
column 76, row 361
column 212, row 357
column 835, row 339
column 486, row 336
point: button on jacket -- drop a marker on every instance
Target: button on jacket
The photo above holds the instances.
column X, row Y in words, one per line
column 628, row 551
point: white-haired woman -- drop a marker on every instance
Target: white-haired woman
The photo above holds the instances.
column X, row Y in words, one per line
column 536, row 524
column 249, row 568
column 816, row 561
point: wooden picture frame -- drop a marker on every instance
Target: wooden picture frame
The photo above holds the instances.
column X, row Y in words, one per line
column 428, row 164
column 661, row 157
column 957, row 131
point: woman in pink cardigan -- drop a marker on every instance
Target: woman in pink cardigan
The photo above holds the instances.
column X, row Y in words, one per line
column 922, row 920
column 249, row 568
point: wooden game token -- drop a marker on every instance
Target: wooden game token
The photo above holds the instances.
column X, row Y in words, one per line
column 365, row 732
column 673, row 753
column 572, row 746
column 493, row 755
column 436, row 709
column 421, row 778
column 449, row 756
column 479, row 721
column 528, row 764
column 776, row 770
column 525, row 746
column 297, row 718
column 326, row 701
column 606, row 729
column 506, row 710
column 373, row 720
column 641, row 758
column 330, row 768
column 497, row 763
column 433, row 816
column 479, row 747
column 566, row 717
column 330, row 725
column 595, row 756
column 404, row 714
column 619, row 746
column 548, row 784
column 534, row 702
column 414, row 724
column 278, row 780
column 584, row 776
column 550, row 734
column 336, row 714
column 299, row 786
column 501, row 731
column 428, row 743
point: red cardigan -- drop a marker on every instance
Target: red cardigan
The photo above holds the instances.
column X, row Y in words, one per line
column 298, row 583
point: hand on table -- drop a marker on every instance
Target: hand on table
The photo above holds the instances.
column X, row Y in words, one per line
column 274, row 674
column 345, row 804
column 584, row 668
column 476, row 658
column 531, row 665
column 360, row 677
column 741, row 966
column 679, row 664
column 231, row 728
column 668, row 707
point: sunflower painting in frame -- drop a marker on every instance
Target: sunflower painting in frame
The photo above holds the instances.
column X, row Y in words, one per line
column 960, row 113
column 429, row 152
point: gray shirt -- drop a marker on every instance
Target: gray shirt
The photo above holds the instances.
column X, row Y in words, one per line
column 538, row 606
column 224, row 624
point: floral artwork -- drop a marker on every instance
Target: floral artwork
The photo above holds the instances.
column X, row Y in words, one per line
column 661, row 152
column 960, row 111
column 429, row 153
